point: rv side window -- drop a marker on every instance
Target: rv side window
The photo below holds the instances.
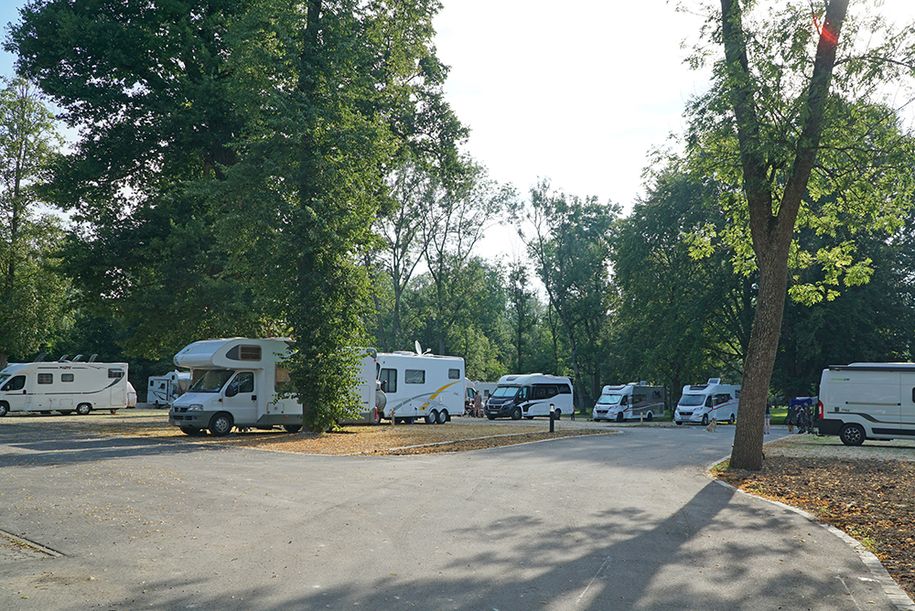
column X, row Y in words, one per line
column 244, row 353
column 709, row 402
column 719, row 399
column 388, row 379
column 636, row 399
column 414, row 376
column 115, row 373
column 152, row 384
column 544, row 391
column 454, row 374
column 281, row 384
column 66, row 377
column 564, row 389
column 45, row 378
column 16, row 383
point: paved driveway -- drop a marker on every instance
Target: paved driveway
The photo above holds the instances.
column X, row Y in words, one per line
column 622, row 521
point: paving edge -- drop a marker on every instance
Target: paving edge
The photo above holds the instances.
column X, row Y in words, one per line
column 36, row 547
column 893, row 590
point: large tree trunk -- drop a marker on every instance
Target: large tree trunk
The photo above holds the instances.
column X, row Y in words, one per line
column 760, row 359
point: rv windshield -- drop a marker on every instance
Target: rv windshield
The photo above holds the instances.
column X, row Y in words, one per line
column 3, row 378
column 504, row 392
column 692, row 400
column 212, row 380
column 611, row 399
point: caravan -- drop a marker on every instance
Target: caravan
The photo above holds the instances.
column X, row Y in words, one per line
column 629, row 401
column 64, row 386
column 161, row 391
column 867, row 401
column 418, row 385
column 240, row 382
column 530, row 395
column 702, row 403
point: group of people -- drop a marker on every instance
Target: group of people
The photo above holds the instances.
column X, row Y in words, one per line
column 799, row 415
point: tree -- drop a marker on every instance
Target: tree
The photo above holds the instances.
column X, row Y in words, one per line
column 570, row 247
column 33, row 295
column 800, row 144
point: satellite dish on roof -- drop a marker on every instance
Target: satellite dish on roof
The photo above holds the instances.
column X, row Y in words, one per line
column 419, row 349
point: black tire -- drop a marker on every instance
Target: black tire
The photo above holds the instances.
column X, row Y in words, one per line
column 704, row 419
column 528, row 417
column 732, row 419
column 558, row 414
column 620, row 417
column 83, row 409
column 443, row 416
column 45, row 412
column 292, row 428
column 221, row 424
column 4, row 408
column 66, row 412
column 432, row 417
column 852, row 434
column 491, row 417
column 649, row 417
column 191, row 431
column 516, row 413
column 679, row 423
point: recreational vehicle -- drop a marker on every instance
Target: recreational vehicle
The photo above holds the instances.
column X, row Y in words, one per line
column 530, row 395
column 867, row 401
column 702, row 403
column 161, row 391
column 239, row 382
column 426, row 386
column 63, row 386
column 633, row 400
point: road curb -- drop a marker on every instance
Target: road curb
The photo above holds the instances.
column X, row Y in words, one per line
column 878, row 572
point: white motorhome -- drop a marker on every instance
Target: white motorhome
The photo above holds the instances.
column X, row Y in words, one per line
column 63, row 386
column 163, row 390
column 626, row 401
column 426, row 386
column 867, row 401
column 239, row 382
column 702, row 403
column 530, row 395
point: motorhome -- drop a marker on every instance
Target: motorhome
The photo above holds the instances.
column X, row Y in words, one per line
column 530, row 395
column 864, row 401
column 161, row 391
column 63, row 386
column 241, row 382
column 629, row 401
column 421, row 386
column 702, row 403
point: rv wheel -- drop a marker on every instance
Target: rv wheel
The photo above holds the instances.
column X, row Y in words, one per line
column 852, row 434
column 558, row 414
column 528, row 417
column 292, row 428
column 192, row 431
column 620, row 417
column 432, row 417
column 83, row 409
column 732, row 419
column 491, row 417
column 443, row 416
column 704, row 419
column 4, row 409
column 649, row 416
column 516, row 414
column 221, row 424
column 679, row 423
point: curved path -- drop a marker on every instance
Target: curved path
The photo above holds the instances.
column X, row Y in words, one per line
column 610, row 522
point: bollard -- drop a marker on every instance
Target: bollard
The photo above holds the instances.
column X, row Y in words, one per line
column 552, row 417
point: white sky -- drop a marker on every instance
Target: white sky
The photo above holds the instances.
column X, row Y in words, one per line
column 576, row 91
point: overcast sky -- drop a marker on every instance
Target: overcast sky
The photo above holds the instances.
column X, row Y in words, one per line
column 577, row 92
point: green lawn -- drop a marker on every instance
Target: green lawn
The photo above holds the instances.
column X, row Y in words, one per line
column 779, row 414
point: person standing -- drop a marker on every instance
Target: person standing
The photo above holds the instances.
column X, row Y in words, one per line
column 768, row 421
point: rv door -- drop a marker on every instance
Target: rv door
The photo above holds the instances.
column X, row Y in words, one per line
column 240, row 398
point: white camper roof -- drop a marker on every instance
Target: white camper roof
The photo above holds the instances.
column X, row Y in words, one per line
column 713, row 385
column 213, row 353
column 874, row 367
column 520, row 379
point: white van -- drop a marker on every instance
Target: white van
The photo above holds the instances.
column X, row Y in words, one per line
column 530, row 395
column 426, row 386
column 240, row 382
column 867, row 401
column 63, row 386
column 701, row 403
column 161, row 391
column 627, row 401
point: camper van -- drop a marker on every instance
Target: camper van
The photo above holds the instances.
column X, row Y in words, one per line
column 239, row 382
column 63, row 386
column 530, row 395
column 627, row 401
column 867, row 401
column 161, row 391
column 425, row 386
column 702, row 403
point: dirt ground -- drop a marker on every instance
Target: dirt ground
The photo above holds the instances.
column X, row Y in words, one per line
column 349, row 440
column 867, row 491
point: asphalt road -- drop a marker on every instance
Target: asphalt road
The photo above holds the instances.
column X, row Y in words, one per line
column 610, row 522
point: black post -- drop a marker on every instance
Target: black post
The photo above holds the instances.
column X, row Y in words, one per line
column 552, row 417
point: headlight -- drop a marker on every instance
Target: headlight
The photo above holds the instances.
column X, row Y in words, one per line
column 196, row 407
